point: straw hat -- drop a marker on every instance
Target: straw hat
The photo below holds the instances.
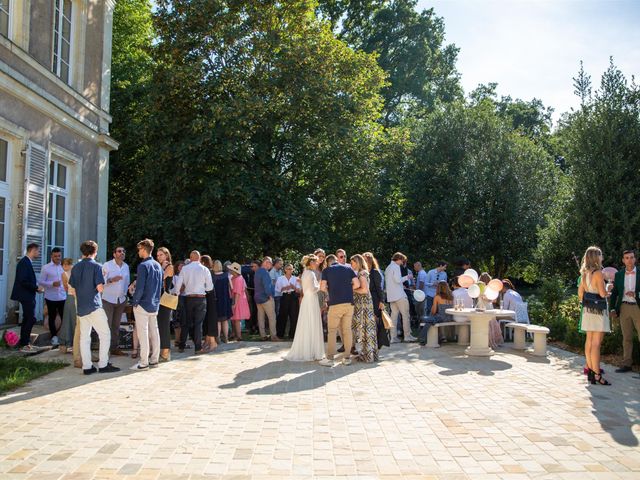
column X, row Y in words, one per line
column 234, row 267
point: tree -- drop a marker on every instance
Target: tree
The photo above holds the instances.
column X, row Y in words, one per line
column 264, row 126
column 597, row 206
column 131, row 72
column 478, row 187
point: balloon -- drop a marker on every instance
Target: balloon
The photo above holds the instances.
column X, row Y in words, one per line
column 495, row 284
column 472, row 273
column 490, row 293
column 465, row 281
column 474, row 291
column 419, row 296
column 609, row 273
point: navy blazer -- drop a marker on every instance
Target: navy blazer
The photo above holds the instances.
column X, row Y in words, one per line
column 25, row 285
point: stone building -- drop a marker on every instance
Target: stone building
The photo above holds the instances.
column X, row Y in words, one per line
column 55, row 68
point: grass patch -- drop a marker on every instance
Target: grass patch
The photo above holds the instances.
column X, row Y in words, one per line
column 16, row 371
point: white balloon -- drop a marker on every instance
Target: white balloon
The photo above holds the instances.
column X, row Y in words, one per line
column 474, row 290
column 471, row 273
column 491, row 294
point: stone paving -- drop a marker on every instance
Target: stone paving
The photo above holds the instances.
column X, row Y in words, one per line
column 244, row 413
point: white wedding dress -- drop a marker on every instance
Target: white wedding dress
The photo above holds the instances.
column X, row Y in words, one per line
column 308, row 343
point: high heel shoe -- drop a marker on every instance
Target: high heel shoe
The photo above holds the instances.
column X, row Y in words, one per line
column 599, row 379
column 590, row 375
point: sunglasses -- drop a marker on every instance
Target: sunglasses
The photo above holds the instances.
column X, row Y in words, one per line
column 340, row 256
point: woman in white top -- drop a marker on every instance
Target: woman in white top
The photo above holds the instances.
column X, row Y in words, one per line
column 308, row 343
column 510, row 298
column 595, row 320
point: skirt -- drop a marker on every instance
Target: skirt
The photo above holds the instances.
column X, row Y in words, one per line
column 68, row 326
column 594, row 322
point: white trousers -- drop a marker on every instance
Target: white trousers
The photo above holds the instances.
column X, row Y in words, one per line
column 400, row 307
column 148, row 335
column 98, row 321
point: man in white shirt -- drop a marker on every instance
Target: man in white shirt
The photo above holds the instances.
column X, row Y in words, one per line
column 114, row 295
column 421, row 284
column 288, row 286
column 54, row 294
column 462, row 294
column 197, row 281
column 397, row 297
column 274, row 274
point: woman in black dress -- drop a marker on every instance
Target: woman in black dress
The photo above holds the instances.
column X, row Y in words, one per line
column 210, row 324
column 377, row 296
column 222, row 287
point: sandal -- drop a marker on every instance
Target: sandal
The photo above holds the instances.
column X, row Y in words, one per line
column 599, row 379
column 135, row 353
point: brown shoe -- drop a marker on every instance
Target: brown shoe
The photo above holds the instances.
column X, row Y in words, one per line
column 118, row 353
column 276, row 339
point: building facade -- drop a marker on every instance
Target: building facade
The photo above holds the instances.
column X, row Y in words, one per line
column 55, row 70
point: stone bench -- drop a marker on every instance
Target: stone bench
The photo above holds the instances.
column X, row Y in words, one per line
column 539, row 337
column 462, row 332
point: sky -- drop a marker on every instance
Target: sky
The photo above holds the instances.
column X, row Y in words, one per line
column 533, row 48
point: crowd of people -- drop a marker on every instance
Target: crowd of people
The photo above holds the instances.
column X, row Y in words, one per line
column 200, row 298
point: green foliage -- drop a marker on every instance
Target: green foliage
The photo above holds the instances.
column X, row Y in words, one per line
column 16, row 371
column 596, row 204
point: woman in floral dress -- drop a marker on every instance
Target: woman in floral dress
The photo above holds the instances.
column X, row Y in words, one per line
column 364, row 321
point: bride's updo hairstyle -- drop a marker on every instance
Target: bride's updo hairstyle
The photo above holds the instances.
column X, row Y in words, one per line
column 307, row 259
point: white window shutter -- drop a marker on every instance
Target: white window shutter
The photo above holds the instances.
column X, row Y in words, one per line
column 35, row 193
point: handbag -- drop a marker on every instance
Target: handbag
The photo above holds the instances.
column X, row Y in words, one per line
column 594, row 303
column 169, row 301
column 386, row 319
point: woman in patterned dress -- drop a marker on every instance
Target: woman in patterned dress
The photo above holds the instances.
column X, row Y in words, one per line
column 364, row 321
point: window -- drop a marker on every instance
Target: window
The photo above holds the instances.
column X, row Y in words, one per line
column 57, row 207
column 4, row 17
column 62, row 39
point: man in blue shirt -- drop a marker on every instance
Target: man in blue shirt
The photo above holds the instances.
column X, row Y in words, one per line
column 146, row 302
column 263, row 295
column 339, row 281
column 434, row 276
column 88, row 282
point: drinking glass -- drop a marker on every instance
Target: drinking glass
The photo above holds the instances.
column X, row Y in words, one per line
column 501, row 304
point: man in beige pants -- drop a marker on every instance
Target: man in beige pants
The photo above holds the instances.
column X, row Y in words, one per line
column 339, row 281
column 624, row 301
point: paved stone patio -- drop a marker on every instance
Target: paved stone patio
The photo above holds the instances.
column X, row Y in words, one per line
column 244, row 413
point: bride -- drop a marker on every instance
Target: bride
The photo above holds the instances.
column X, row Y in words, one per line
column 308, row 343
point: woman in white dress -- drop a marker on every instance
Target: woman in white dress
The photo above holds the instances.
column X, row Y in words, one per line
column 308, row 343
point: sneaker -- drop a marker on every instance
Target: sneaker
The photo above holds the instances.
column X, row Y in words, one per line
column 325, row 362
column 108, row 369
column 55, row 341
column 410, row 338
column 89, row 371
column 346, row 361
column 139, row 368
column 153, row 365
column 395, row 340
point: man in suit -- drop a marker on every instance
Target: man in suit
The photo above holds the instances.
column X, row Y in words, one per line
column 624, row 302
column 25, row 287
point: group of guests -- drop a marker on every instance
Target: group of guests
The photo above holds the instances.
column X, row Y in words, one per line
column 200, row 297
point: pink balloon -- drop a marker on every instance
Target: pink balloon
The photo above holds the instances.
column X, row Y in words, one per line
column 465, row 281
column 495, row 284
column 609, row 273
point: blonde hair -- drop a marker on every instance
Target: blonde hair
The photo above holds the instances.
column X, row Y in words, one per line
column 67, row 261
column 359, row 259
column 217, row 266
column 307, row 259
column 372, row 263
column 592, row 260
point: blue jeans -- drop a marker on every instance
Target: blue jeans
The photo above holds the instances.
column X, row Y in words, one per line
column 424, row 328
